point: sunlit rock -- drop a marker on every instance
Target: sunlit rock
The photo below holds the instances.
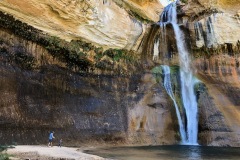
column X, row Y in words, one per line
column 103, row 24
column 148, row 9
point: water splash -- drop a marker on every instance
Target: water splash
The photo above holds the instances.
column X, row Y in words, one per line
column 168, row 87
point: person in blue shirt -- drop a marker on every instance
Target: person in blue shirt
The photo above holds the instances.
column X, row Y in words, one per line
column 50, row 139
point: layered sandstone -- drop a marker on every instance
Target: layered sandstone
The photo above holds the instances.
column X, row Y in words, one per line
column 114, row 107
column 148, row 9
column 194, row 7
column 218, row 18
column 214, row 33
column 219, row 110
column 81, row 107
column 214, row 30
column 103, row 24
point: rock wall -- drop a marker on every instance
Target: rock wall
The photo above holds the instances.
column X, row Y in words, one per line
column 212, row 38
column 103, row 24
column 214, row 30
column 152, row 119
column 220, row 74
column 40, row 93
column 214, row 33
column 147, row 9
column 212, row 22
column 193, row 7
column 82, row 108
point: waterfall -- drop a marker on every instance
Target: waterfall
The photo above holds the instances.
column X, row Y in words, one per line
column 211, row 40
column 168, row 87
column 187, row 81
column 163, row 33
column 169, row 15
column 156, row 50
column 199, row 34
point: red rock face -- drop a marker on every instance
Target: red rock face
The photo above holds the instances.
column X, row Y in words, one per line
column 217, row 66
column 222, row 69
column 110, row 108
column 220, row 109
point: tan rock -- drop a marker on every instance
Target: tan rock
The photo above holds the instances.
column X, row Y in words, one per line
column 150, row 120
column 103, row 24
column 225, row 23
column 226, row 28
column 195, row 7
column 220, row 74
column 148, row 9
column 229, row 6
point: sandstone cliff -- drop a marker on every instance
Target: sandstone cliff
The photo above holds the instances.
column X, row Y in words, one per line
column 212, row 38
column 39, row 94
column 214, row 32
column 107, row 95
column 101, row 22
column 83, row 93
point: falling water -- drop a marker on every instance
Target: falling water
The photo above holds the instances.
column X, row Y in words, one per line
column 199, row 34
column 211, row 40
column 163, row 33
column 156, row 50
column 187, row 80
column 168, row 87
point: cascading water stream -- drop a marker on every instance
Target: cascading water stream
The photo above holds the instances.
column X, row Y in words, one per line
column 187, row 80
column 168, row 87
column 156, row 50
column 199, row 34
column 211, row 40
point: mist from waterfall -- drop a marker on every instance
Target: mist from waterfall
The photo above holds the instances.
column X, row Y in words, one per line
column 169, row 15
column 168, row 87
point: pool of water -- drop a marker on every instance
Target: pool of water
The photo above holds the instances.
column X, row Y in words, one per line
column 173, row 152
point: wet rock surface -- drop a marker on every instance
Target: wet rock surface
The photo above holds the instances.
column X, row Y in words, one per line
column 109, row 105
column 40, row 94
column 219, row 101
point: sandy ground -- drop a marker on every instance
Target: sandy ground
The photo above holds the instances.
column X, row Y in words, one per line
column 49, row 153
